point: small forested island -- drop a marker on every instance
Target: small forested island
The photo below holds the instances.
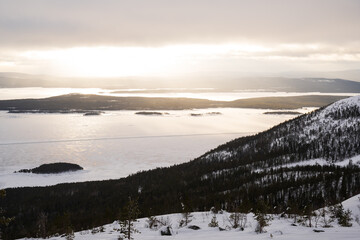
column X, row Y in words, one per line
column 50, row 168
column 62, row 111
column 48, row 111
column 202, row 114
column 152, row 113
column 283, row 113
column 92, row 113
column 214, row 113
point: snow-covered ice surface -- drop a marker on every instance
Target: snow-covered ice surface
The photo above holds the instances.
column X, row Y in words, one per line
column 117, row 143
column 279, row 228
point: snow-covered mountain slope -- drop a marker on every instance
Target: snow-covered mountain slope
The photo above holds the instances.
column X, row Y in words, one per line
column 279, row 228
column 331, row 133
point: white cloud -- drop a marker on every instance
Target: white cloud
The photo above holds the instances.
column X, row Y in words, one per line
column 66, row 23
column 140, row 37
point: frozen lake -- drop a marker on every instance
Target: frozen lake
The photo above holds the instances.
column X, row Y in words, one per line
column 117, row 143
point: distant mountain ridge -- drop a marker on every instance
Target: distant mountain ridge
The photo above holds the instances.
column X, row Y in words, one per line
column 278, row 166
column 351, row 74
column 211, row 82
column 81, row 102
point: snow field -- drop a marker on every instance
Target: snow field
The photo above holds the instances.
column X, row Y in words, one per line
column 279, row 228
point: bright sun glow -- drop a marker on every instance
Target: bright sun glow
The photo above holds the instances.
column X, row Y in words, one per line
column 107, row 61
column 133, row 61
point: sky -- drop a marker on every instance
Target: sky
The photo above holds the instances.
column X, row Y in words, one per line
column 110, row 38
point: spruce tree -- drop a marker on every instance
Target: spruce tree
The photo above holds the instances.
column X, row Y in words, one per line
column 41, row 224
column 129, row 216
column 261, row 217
column 4, row 221
column 343, row 217
column 186, row 215
column 214, row 222
column 234, row 220
column 69, row 235
column 152, row 222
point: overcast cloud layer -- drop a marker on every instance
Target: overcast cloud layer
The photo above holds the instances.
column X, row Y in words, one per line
column 29, row 23
column 103, row 35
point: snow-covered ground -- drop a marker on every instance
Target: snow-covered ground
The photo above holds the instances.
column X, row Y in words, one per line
column 279, row 228
column 355, row 160
column 116, row 143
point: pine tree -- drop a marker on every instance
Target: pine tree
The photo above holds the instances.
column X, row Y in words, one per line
column 66, row 221
column 4, row 221
column 130, row 214
column 294, row 209
column 41, row 224
column 344, row 217
column 69, row 235
column 153, row 222
column 186, row 216
column 214, row 222
column 345, row 221
column 326, row 219
column 260, row 216
column 308, row 212
column 234, row 219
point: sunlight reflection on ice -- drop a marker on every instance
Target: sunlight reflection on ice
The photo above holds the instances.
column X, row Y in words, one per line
column 115, row 158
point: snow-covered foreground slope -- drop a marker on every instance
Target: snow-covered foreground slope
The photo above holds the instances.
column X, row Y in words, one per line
column 279, row 228
column 353, row 204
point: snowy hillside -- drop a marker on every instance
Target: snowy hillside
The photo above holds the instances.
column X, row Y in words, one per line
column 331, row 133
column 279, row 228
